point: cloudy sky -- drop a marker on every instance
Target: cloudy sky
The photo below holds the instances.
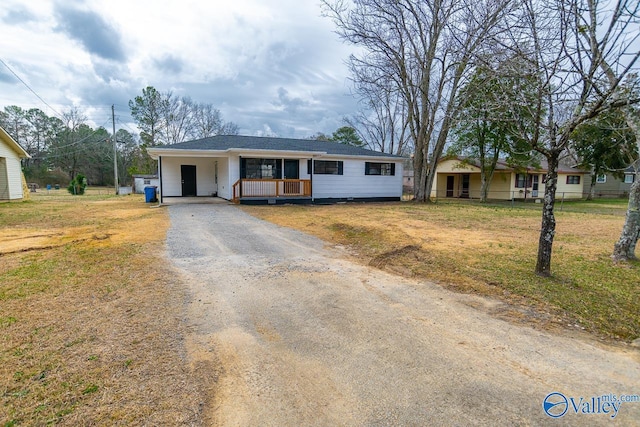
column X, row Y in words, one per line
column 272, row 66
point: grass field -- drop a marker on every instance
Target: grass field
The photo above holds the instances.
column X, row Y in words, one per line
column 90, row 315
column 491, row 250
column 90, row 329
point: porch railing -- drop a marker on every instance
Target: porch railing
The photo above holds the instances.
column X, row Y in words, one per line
column 270, row 188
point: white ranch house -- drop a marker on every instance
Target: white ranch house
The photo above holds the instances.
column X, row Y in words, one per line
column 248, row 169
column 10, row 168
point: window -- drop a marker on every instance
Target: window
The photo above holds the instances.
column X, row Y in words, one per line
column 327, row 167
column 261, row 168
column 147, row 182
column 523, row 180
column 629, row 179
column 573, row 179
column 388, row 169
column 601, row 179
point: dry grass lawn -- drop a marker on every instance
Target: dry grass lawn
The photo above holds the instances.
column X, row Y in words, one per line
column 91, row 329
column 491, row 250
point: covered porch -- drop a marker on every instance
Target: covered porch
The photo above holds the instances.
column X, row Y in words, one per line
column 253, row 190
column 467, row 185
column 235, row 178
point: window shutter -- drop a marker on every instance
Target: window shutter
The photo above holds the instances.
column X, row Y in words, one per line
column 393, row 169
column 340, row 168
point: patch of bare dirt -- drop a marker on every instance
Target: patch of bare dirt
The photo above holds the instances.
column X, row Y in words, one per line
column 384, row 259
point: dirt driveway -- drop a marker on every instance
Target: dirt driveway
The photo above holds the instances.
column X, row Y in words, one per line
column 290, row 333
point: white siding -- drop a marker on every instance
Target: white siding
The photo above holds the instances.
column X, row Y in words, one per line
column 224, row 188
column 4, row 182
column 172, row 175
column 234, row 170
column 354, row 183
column 303, row 169
column 10, row 174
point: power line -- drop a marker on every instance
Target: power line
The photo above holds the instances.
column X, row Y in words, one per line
column 29, row 87
column 126, row 125
column 58, row 155
column 57, row 147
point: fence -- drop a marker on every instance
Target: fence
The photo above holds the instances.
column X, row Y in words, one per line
column 528, row 196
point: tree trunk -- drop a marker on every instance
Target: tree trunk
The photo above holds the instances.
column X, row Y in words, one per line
column 484, row 188
column 548, row 228
column 431, row 176
column 592, row 187
column 420, row 175
column 486, row 176
column 624, row 249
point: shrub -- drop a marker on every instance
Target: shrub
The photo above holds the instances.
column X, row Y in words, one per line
column 77, row 185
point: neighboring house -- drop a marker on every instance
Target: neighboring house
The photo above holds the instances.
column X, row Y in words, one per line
column 249, row 169
column 142, row 181
column 458, row 177
column 407, row 181
column 608, row 185
column 10, row 169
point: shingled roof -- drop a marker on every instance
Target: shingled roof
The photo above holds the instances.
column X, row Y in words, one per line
column 238, row 142
column 503, row 165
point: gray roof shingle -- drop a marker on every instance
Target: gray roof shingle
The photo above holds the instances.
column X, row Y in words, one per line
column 227, row 142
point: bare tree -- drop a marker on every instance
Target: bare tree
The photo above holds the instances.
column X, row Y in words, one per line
column 179, row 121
column 229, row 128
column 569, row 45
column 425, row 49
column 208, row 120
column 382, row 123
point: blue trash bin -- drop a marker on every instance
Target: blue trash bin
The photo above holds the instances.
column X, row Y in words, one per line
column 150, row 194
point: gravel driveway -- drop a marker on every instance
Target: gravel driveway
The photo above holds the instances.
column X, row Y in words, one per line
column 293, row 334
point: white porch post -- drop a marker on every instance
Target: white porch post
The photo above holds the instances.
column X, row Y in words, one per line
column 160, row 177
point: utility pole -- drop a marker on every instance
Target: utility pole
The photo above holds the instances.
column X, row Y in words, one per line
column 115, row 150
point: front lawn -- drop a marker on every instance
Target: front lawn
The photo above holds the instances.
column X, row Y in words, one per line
column 90, row 329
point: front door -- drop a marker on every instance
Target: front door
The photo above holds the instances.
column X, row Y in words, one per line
column 535, row 186
column 188, row 180
column 450, row 184
column 465, row 186
column 291, row 169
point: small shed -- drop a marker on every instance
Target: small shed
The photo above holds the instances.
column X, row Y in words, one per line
column 10, row 169
column 141, row 181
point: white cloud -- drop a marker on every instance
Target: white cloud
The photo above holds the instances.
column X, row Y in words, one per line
column 263, row 63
